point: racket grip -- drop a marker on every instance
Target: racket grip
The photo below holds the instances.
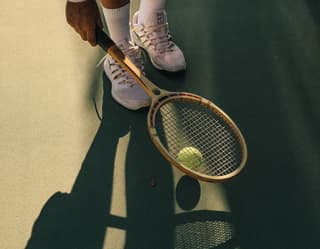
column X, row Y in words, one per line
column 103, row 40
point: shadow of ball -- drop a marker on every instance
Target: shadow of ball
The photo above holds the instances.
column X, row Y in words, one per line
column 188, row 192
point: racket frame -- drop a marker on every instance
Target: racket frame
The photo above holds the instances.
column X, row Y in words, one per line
column 169, row 96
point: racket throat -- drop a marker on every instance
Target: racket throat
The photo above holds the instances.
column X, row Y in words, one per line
column 156, row 91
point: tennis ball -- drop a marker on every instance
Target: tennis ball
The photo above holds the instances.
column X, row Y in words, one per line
column 190, row 157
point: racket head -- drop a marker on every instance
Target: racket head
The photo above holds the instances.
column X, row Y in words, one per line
column 187, row 124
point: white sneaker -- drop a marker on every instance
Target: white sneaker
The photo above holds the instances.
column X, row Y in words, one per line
column 155, row 38
column 124, row 88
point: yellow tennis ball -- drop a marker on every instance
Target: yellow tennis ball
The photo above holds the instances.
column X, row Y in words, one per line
column 190, row 157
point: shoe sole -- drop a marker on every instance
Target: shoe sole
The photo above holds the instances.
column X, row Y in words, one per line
column 124, row 103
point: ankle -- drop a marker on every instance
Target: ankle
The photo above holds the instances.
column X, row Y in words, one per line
column 148, row 8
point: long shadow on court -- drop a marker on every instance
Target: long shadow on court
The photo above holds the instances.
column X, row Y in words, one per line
column 82, row 218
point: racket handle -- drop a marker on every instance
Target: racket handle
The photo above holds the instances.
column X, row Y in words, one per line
column 103, row 40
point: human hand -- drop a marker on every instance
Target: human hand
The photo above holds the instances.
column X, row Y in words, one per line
column 84, row 17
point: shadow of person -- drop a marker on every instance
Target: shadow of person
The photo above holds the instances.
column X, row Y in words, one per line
column 76, row 220
column 79, row 219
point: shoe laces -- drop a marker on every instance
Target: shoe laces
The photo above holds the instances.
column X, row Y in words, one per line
column 134, row 54
column 160, row 38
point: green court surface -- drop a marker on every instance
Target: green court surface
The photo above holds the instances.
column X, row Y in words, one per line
column 258, row 61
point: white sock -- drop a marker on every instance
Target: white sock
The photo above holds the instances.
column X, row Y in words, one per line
column 148, row 7
column 118, row 22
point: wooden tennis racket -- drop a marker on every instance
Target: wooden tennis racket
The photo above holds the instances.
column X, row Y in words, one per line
column 190, row 131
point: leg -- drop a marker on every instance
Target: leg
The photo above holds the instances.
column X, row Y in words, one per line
column 116, row 14
column 114, row 4
column 148, row 7
column 123, row 88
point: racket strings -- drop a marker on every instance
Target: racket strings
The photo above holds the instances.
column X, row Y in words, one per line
column 183, row 123
column 203, row 234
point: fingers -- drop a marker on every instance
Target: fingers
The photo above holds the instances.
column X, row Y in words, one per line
column 87, row 32
column 91, row 34
column 84, row 17
column 80, row 32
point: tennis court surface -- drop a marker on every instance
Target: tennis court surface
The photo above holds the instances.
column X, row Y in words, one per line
column 80, row 183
